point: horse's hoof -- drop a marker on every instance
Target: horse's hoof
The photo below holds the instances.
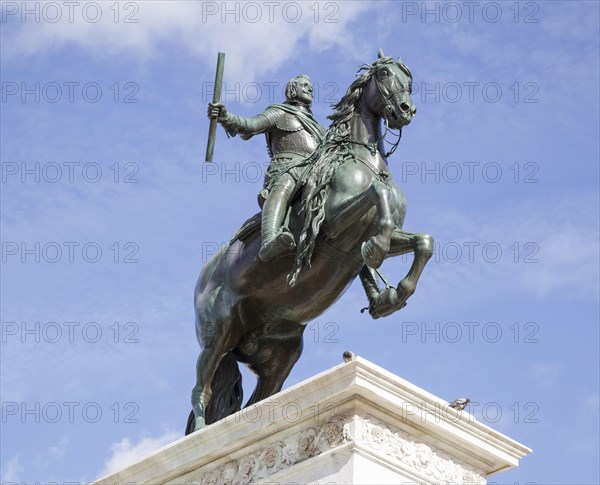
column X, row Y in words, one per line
column 199, row 424
column 373, row 313
column 388, row 302
column 282, row 243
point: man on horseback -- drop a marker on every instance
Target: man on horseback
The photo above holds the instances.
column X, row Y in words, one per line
column 292, row 135
column 353, row 218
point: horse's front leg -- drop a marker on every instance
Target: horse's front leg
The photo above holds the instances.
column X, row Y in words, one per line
column 393, row 299
column 377, row 247
column 349, row 212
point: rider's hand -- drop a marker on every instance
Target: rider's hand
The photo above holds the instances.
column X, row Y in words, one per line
column 217, row 110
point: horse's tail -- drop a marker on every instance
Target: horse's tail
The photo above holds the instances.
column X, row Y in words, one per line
column 227, row 393
column 191, row 423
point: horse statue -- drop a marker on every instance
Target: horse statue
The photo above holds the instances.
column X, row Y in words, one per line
column 346, row 220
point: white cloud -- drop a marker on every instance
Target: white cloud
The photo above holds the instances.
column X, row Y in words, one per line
column 125, row 452
column 256, row 37
column 12, row 469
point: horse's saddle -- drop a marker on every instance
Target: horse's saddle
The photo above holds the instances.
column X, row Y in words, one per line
column 247, row 228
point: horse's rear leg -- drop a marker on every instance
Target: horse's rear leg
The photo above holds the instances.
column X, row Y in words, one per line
column 219, row 341
column 390, row 299
column 282, row 354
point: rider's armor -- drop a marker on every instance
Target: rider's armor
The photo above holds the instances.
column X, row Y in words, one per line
column 292, row 136
column 286, row 135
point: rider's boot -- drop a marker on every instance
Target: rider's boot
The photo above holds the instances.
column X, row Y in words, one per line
column 275, row 240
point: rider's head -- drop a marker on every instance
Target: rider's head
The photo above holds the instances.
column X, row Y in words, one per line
column 300, row 90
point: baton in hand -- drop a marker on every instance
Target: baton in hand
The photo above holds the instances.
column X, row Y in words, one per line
column 212, row 131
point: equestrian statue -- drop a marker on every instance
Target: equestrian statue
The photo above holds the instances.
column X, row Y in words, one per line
column 331, row 211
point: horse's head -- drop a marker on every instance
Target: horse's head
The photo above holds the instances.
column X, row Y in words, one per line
column 387, row 94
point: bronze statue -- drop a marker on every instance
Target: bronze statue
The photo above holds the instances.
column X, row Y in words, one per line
column 345, row 220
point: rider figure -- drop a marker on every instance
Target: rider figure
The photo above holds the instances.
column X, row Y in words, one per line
column 292, row 135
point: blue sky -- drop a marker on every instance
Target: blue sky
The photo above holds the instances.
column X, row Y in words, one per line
column 108, row 214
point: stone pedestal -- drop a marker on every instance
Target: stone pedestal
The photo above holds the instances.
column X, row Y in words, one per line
column 355, row 423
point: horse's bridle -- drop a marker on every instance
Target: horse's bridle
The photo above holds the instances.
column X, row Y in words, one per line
column 388, row 107
column 387, row 96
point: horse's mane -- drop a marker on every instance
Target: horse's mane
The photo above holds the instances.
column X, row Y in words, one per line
column 331, row 153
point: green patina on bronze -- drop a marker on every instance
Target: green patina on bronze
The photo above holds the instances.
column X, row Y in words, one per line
column 331, row 212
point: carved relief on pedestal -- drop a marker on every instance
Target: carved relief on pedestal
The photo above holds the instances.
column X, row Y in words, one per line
column 428, row 460
column 279, row 455
column 395, row 444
